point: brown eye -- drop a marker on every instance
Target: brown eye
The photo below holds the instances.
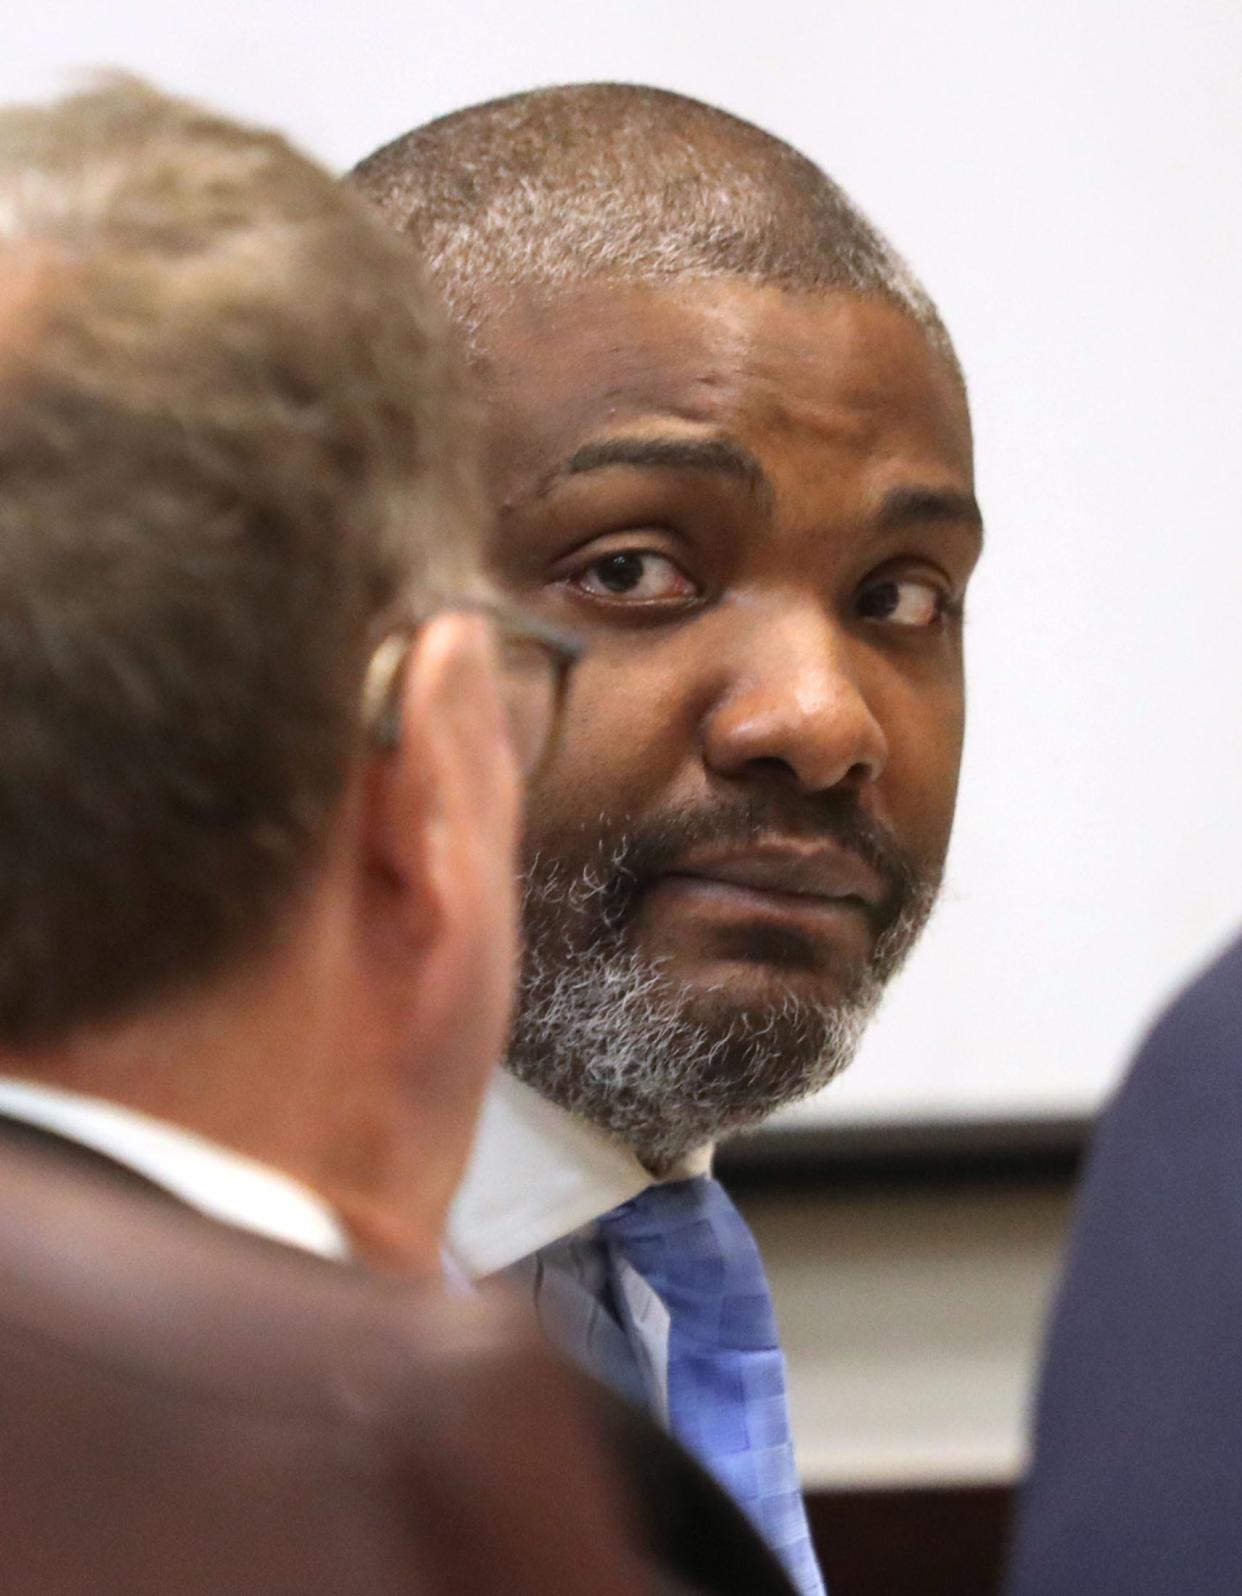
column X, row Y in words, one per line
column 634, row 574
column 903, row 601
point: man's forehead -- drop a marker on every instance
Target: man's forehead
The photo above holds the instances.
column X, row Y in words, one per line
column 718, row 355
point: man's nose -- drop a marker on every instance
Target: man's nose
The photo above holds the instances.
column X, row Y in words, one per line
column 794, row 707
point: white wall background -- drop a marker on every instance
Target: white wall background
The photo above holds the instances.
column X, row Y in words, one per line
column 1065, row 175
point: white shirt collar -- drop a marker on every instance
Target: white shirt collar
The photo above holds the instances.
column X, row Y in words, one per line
column 536, row 1174
column 216, row 1181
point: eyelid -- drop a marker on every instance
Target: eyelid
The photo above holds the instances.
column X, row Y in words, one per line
column 625, row 540
column 572, row 576
column 578, row 578
column 909, row 567
column 915, row 570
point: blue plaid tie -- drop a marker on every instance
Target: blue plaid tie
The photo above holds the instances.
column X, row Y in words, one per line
column 726, row 1374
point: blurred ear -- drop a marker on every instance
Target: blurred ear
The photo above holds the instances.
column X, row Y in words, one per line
column 442, row 837
column 445, row 797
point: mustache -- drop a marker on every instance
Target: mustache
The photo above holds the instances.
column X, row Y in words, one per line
column 629, row 856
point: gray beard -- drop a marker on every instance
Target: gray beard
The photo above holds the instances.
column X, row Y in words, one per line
column 658, row 1065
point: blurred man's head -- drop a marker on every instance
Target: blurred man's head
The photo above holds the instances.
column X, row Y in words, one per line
column 234, row 459
column 729, row 441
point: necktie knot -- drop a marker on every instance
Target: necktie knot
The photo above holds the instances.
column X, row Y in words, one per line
column 693, row 1248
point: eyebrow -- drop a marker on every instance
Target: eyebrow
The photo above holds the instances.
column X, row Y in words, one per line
column 901, row 508
column 716, row 456
column 916, row 506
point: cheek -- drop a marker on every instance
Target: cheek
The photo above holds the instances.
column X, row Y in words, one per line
column 627, row 738
column 919, row 784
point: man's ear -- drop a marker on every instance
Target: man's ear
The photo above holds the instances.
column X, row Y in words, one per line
column 444, row 799
column 439, row 900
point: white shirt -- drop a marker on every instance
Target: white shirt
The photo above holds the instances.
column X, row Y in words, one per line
column 218, row 1182
column 537, row 1181
column 536, row 1175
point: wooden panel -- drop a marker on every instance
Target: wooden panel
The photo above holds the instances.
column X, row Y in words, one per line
column 912, row 1542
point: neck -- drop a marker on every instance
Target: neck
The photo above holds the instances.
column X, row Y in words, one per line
column 279, row 1065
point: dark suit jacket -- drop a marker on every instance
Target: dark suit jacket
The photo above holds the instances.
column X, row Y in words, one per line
column 1136, row 1488
column 186, row 1409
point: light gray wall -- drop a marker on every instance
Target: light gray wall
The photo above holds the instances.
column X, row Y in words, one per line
column 911, row 1321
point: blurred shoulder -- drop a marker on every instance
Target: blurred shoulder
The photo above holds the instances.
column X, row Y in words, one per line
column 1195, row 1047
column 1175, row 1124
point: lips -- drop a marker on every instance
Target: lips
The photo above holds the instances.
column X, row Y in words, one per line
column 819, row 873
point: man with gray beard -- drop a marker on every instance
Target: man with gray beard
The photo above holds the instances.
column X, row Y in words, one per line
column 665, row 1066
column 729, row 445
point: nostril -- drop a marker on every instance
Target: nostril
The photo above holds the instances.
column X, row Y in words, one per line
column 769, row 765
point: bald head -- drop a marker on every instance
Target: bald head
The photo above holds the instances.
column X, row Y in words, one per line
column 611, row 181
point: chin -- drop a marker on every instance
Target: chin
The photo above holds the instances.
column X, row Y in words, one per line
column 782, row 955
column 773, row 973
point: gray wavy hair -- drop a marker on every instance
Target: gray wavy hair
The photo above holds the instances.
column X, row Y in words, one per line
column 233, row 438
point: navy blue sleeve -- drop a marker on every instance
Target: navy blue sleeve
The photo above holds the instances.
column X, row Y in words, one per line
column 1136, row 1485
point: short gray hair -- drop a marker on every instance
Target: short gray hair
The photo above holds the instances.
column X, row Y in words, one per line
column 605, row 180
column 233, row 445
